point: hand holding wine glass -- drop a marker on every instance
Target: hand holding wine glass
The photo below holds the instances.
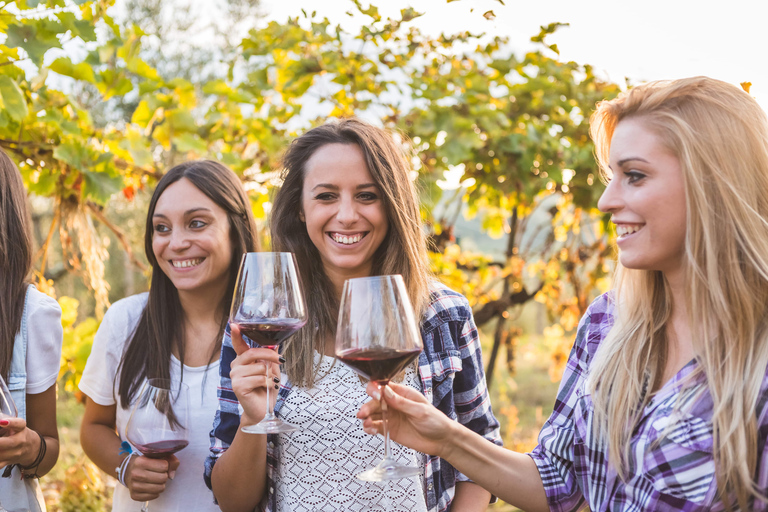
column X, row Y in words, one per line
column 267, row 307
column 158, row 428
column 7, row 411
column 377, row 337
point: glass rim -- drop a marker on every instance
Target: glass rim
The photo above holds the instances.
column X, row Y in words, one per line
column 382, row 277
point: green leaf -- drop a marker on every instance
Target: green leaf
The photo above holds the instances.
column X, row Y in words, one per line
column 99, row 186
column 74, row 154
column 81, row 71
column 12, row 98
column 35, row 38
column 190, row 142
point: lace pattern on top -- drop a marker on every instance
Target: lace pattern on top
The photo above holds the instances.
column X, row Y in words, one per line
column 318, row 463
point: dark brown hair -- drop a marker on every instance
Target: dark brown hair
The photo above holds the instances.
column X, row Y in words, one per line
column 15, row 257
column 403, row 251
column 161, row 325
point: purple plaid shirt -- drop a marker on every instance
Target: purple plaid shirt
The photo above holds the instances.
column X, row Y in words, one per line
column 674, row 474
column 451, row 375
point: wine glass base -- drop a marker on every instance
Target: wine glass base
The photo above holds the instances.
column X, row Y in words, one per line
column 275, row 426
column 384, row 472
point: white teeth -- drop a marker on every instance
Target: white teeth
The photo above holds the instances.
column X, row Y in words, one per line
column 186, row 263
column 345, row 239
column 624, row 230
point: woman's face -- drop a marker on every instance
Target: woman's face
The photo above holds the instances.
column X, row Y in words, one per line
column 191, row 239
column 646, row 199
column 343, row 211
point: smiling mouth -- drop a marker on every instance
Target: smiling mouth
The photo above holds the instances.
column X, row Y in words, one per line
column 186, row 263
column 347, row 239
column 625, row 230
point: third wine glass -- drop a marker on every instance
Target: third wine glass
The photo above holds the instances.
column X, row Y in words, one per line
column 377, row 336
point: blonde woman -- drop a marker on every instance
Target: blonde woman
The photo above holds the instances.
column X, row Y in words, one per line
column 664, row 402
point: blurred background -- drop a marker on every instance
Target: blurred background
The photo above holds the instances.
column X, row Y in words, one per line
column 491, row 98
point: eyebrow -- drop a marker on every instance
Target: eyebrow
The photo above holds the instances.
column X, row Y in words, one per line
column 630, row 159
column 186, row 213
column 334, row 187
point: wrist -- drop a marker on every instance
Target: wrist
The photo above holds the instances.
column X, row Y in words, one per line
column 32, row 442
column 450, row 446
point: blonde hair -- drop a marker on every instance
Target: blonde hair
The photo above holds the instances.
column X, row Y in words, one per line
column 720, row 136
column 403, row 251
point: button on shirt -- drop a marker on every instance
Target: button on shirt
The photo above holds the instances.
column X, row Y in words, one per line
column 674, row 474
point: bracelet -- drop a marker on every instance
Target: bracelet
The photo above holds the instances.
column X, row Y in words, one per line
column 38, row 459
column 121, row 469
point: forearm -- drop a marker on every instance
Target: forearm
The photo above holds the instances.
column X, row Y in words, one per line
column 470, row 497
column 509, row 475
column 102, row 445
column 239, row 477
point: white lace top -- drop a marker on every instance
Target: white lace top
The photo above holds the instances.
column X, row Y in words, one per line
column 318, row 463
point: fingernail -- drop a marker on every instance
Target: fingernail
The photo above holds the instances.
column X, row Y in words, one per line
column 4, row 422
column 277, row 386
column 388, row 392
column 277, row 381
column 172, row 474
column 377, row 395
column 281, row 359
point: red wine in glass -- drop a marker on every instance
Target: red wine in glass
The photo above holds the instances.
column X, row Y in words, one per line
column 271, row 333
column 161, row 449
column 379, row 364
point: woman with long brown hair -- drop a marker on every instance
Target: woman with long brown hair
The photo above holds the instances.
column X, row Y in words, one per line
column 664, row 401
column 199, row 225
column 30, row 354
column 347, row 208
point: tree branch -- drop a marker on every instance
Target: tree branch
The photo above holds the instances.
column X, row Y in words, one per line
column 495, row 308
column 96, row 211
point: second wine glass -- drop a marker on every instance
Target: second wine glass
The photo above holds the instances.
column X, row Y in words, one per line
column 377, row 336
column 159, row 423
column 268, row 306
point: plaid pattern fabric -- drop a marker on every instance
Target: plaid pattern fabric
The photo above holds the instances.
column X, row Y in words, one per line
column 671, row 465
column 452, row 378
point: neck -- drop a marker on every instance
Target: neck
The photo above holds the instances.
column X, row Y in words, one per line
column 202, row 306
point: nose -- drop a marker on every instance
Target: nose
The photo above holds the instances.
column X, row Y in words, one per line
column 347, row 213
column 610, row 201
column 178, row 240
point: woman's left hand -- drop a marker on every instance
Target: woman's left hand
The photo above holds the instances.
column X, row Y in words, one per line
column 18, row 444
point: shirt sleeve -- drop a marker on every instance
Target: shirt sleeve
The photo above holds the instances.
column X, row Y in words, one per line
column 99, row 381
column 227, row 418
column 471, row 399
column 44, row 339
column 554, row 455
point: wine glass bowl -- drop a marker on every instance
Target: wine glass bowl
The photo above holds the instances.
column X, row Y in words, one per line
column 7, row 405
column 377, row 336
column 159, row 422
column 268, row 307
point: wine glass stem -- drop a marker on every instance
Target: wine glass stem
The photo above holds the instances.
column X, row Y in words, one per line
column 384, row 423
column 270, row 415
column 145, row 507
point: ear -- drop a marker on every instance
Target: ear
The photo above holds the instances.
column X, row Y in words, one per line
column 301, row 216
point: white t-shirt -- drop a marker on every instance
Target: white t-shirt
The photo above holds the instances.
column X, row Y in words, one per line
column 44, row 334
column 187, row 491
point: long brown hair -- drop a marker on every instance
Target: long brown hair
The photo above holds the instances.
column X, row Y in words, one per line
column 403, row 251
column 160, row 328
column 720, row 136
column 15, row 257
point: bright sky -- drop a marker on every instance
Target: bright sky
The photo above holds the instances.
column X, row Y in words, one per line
column 643, row 40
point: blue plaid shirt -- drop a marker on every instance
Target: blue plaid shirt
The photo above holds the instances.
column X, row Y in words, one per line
column 452, row 378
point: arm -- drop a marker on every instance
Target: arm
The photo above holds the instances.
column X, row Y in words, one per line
column 470, row 497
column 416, row 423
column 23, row 444
column 239, row 476
column 145, row 478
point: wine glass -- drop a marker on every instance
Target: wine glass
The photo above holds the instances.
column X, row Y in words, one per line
column 377, row 336
column 268, row 307
column 7, row 410
column 159, row 423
